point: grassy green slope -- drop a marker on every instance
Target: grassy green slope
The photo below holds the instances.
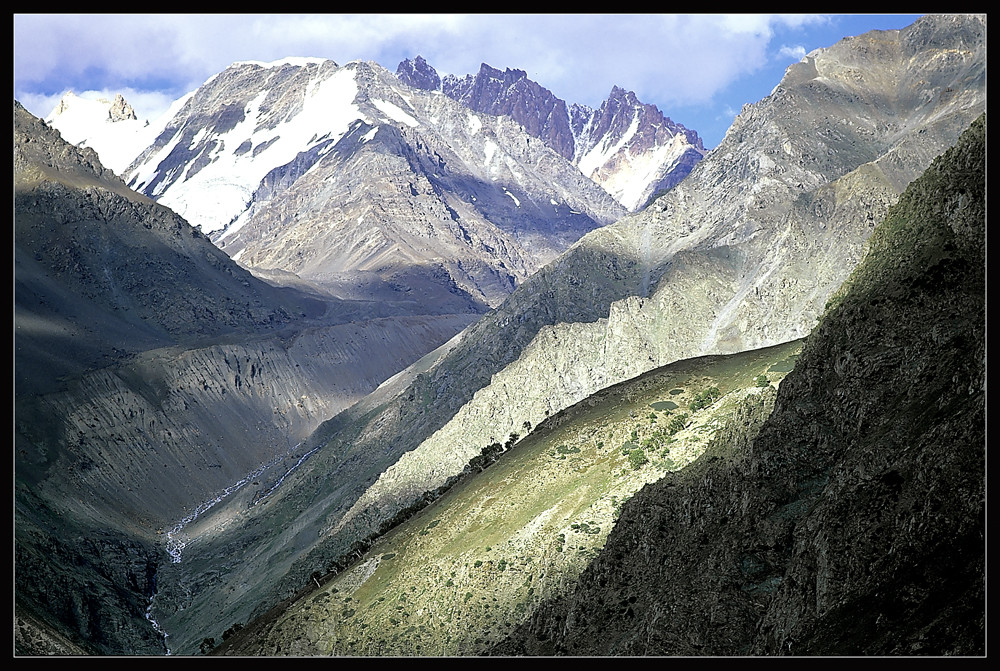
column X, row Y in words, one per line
column 459, row 575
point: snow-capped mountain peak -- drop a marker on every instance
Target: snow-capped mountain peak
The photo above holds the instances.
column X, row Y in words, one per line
column 110, row 127
column 327, row 171
column 628, row 147
column 208, row 161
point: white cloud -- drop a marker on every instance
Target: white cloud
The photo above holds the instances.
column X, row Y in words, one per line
column 670, row 57
column 676, row 61
column 795, row 52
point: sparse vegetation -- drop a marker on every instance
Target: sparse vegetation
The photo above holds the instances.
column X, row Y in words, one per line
column 575, row 533
column 637, row 459
column 232, row 631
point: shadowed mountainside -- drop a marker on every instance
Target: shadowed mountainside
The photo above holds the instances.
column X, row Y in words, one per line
column 854, row 523
column 151, row 372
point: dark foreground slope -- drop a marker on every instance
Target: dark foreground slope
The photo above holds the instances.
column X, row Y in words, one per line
column 854, row 522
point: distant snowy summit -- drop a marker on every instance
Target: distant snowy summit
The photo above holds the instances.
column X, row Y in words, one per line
column 372, row 188
column 109, row 127
column 628, row 147
column 112, row 111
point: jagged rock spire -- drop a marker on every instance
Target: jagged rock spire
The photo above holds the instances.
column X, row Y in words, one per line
column 419, row 74
column 120, row 110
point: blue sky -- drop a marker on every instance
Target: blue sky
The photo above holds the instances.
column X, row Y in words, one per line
column 699, row 69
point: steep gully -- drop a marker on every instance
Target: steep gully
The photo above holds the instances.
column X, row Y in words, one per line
column 177, row 540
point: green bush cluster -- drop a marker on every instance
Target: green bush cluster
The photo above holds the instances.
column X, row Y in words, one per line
column 636, row 458
column 677, row 423
column 486, row 458
column 705, row 399
column 586, row 527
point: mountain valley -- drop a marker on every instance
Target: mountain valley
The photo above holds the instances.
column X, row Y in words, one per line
column 423, row 365
column 205, row 358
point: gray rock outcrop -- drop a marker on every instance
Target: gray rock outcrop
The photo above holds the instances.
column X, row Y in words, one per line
column 418, row 74
column 120, row 110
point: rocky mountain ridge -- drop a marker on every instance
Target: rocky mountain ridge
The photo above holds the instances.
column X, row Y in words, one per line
column 853, row 523
column 628, row 147
column 351, row 179
column 69, row 260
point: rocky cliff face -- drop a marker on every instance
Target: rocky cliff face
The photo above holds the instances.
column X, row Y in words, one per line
column 419, row 74
column 854, row 523
column 630, row 148
column 350, row 178
column 119, row 110
column 511, row 93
